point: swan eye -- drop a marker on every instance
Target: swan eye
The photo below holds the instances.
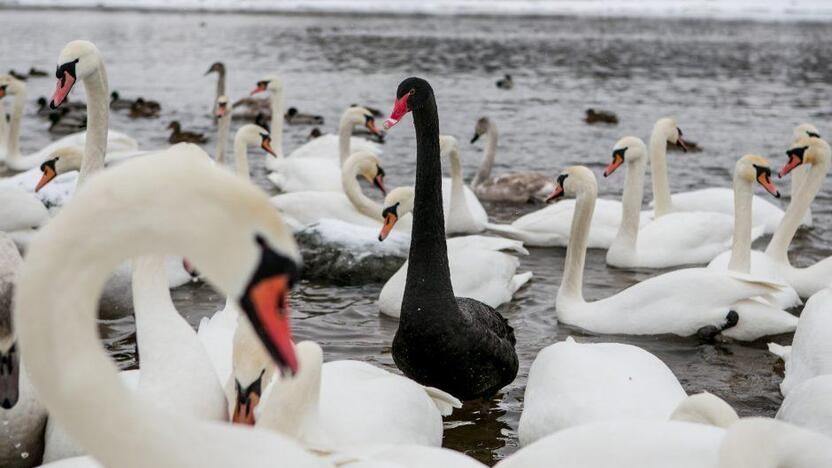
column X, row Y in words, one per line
column 680, row 131
column 562, row 179
column 412, row 91
column 68, row 67
column 392, row 209
column 48, row 164
column 379, row 171
column 811, row 134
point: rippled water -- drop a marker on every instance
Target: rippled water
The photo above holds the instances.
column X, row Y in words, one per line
column 735, row 87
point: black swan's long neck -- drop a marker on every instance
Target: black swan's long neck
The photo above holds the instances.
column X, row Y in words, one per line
column 428, row 288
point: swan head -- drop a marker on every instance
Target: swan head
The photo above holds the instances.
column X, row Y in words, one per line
column 397, row 203
column 216, row 67
column 10, row 86
column 271, row 83
column 61, row 161
column 357, row 115
column 574, row 182
column 252, row 370
column 77, row 61
column 805, row 129
column 368, row 166
column 751, row 168
column 254, row 135
column 806, row 150
column 412, row 94
column 629, row 149
column 705, row 408
column 222, row 105
column 482, row 127
column 669, row 129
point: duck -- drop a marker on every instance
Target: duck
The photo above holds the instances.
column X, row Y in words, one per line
column 294, row 117
column 252, row 108
column 684, row 302
column 18, row 76
column 219, row 69
column 678, row 238
column 223, row 115
column 480, row 359
column 115, row 141
column 517, row 187
column 118, row 103
column 258, row 242
column 600, row 116
column 334, row 406
column 179, row 136
column 65, row 126
column 774, row 261
column 711, row 199
column 807, row 405
column 562, row 390
column 314, row 133
column 505, row 82
column 20, row 408
column 34, row 72
column 146, row 109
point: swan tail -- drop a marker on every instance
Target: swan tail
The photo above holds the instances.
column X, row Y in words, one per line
column 783, row 352
column 771, row 285
column 445, row 402
column 518, row 281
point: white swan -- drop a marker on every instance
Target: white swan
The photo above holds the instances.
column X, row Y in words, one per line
column 465, row 213
column 223, row 115
column 518, row 187
column 809, row 405
column 811, row 352
column 705, row 408
column 768, row 443
column 100, row 139
column 675, row 238
column 774, row 262
column 721, row 199
column 21, row 214
column 571, row 384
column 683, row 302
column 625, row 444
column 175, row 372
column 337, row 405
column 4, row 128
column 21, row 436
column 235, row 239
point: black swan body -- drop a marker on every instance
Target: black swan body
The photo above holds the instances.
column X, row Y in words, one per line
column 458, row 345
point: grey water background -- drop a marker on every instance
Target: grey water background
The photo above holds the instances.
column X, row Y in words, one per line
column 735, row 87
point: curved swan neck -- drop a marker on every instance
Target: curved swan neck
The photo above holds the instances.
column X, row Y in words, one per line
column 571, row 287
column 352, row 189
column 13, row 144
column 292, row 405
column 627, row 236
column 241, row 156
column 658, row 172
column 799, row 176
column 344, row 135
column 276, row 132
column 458, row 209
column 428, row 286
column 223, row 128
column 741, row 243
column 98, row 114
column 778, row 247
column 489, row 155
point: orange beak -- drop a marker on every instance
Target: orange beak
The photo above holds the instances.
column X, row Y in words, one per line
column 794, row 161
column 765, row 180
column 371, row 126
column 221, row 109
column 399, row 110
column 244, row 409
column 267, row 146
column 259, row 89
column 389, row 222
column 557, row 193
column 270, row 300
column 616, row 162
column 378, row 181
column 48, row 175
column 2, row 91
column 62, row 89
column 681, row 143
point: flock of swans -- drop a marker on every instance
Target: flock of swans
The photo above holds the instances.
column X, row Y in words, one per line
column 240, row 392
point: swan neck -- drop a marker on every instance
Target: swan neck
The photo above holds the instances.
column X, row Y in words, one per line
column 658, row 173
column 799, row 176
column 344, row 135
column 276, row 132
column 352, row 189
column 220, row 87
column 627, row 236
column 458, row 207
column 741, row 243
column 571, row 287
column 484, row 172
column 98, row 114
column 241, row 157
column 292, row 405
column 13, row 144
column 428, row 286
column 779, row 245
column 223, row 129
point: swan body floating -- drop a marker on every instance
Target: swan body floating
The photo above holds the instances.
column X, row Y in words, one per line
column 808, row 405
column 769, row 443
column 682, row 302
column 479, row 357
column 570, row 384
column 518, row 187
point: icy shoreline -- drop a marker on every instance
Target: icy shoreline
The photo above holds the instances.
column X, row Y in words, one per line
column 774, row 10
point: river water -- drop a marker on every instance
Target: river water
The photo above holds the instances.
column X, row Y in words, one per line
column 735, row 87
